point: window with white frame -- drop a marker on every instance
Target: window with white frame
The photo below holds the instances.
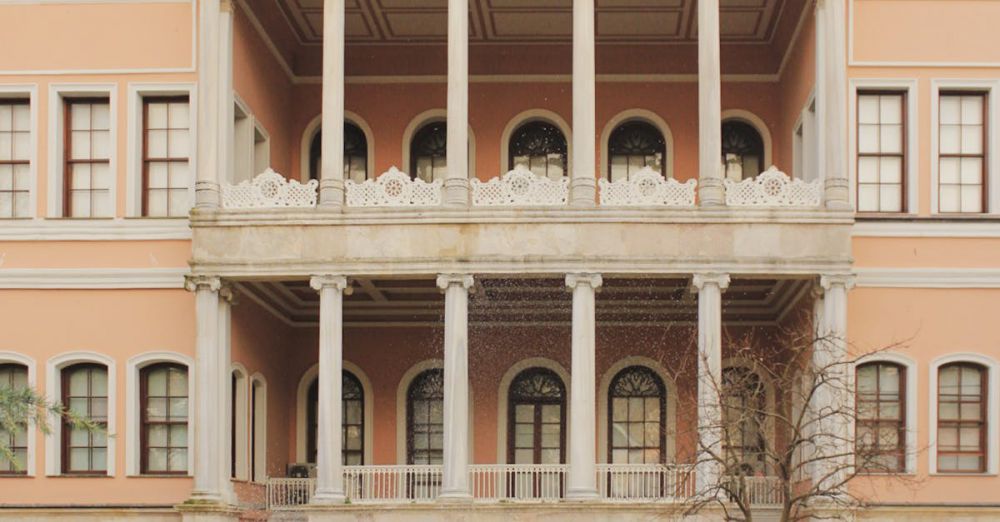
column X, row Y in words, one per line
column 163, row 390
column 87, row 175
column 15, row 158
column 962, row 415
column 166, row 164
column 881, row 153
column 85, row 394
column 962, row 133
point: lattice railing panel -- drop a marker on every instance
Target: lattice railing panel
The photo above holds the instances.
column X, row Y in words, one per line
column 773, row 188
column 270, row 190
column 648, row 188
column 393, row 188
column 520, row 187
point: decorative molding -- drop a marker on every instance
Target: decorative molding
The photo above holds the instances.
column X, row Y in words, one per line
column 118, row 229
column 773, row 188
column 520, row 187
column 270, row 190
column 926, row 228
column 647, row 188
column 92, row 278
column 928, row 277
column 394, row 188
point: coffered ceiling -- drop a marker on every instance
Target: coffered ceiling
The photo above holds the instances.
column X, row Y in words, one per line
column 618, row 21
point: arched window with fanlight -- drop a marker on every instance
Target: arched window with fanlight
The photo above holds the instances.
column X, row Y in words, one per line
column 637, row 431
column 429, row 152
column 536, row 402
column 355, row 153
column 425, row 418
column 744, row 403
column 634, row 145
column 742, row 150
column 540, row 147
column 352, row 396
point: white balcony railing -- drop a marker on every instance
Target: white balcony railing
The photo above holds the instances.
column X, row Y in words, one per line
column 645, row 482
column 515, row 483
column 518, row 482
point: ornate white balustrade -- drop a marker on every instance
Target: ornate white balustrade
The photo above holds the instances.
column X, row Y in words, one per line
column 773, row 188
column 647, row 188
column 520, row 187
column 517, row 482
column 393, row 188
column 270, row 190
column 758, row 491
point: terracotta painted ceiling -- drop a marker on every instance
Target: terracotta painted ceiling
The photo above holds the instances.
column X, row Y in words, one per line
column 756, row 34
column 388, row 21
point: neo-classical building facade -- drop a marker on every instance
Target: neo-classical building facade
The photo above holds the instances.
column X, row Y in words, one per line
column 385, row 259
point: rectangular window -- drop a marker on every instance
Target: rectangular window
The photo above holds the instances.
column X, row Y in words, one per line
column 85, row 394
column 15, row 159
column 962, row 152
column 166, row 169
column 164, row 395
column 87, row 171
column 881, row 151
column 961, row 436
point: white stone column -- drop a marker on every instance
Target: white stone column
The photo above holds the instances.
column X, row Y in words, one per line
column 831, row 100
column 331, row 181
column 226, row 137
column 456, row 183
column 710, row 190
column 832, row 402
column 209, row 75
column 709, row 288
column 582, row 183
column 581, row 477
column 211, row 478
column 455, row 482
column 329, row 463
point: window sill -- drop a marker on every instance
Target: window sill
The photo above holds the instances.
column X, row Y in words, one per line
column 81, row 476
column 960, row 474
column 162, row 475
column 15, row 476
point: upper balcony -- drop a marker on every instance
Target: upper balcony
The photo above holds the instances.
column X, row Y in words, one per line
column 572, row 121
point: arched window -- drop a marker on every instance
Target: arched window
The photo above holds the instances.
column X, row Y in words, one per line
column 633, row 145
column 743, row 413
column 13, row 377
column 85, row 392
column 163, row 392
column 425, row 418
column 881, row 410
column 258, row 429
column 541, row 147
column 429, row 152
column 355, row 153
column 638, row 417
column 352, row 441
column 742, row 150
column 354, row 420
column 536, row 418
column 961, row 435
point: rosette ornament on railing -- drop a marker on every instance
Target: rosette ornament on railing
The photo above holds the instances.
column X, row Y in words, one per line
column 393, row 188
column 773, row 188
column 270, row 190
column 520, row 187
column 647, row 188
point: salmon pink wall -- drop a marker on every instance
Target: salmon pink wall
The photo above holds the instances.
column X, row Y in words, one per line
column 798, row 80
column 118, row 324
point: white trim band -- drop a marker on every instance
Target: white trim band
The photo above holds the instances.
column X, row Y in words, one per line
column 92, row 278
column 928, row 277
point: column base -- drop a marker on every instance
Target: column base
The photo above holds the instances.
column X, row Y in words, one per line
column 455, row 497
column 328, row 498
column 581, row 495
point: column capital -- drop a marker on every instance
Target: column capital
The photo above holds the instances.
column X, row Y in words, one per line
column 194, row 283
column 319, row 282
column 698, row 281
column 226, row 6
column 446, row 280
column 593, row 280
column 828, row 281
